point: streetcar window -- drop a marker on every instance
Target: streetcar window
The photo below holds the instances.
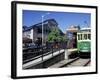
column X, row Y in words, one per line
column 81, row 37
column 85, row 36
column 78, row 37
column 89, row 36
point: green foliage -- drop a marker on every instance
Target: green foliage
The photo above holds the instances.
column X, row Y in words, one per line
column 54, row 35
column 64, row 38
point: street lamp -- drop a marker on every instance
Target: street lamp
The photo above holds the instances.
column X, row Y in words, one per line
column 42, row 25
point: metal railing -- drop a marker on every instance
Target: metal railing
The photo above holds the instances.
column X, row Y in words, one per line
column 33, row 53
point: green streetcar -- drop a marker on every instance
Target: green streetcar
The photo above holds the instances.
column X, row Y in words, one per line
column 84, row 41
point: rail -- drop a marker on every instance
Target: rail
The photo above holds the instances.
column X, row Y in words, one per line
column 77, row 62
column 40, row 59
column 30, row 54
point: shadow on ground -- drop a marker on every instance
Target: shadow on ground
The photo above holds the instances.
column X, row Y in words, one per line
column 81, row 55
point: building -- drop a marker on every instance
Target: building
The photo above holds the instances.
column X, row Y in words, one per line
column 71, row 33
column 34, row 32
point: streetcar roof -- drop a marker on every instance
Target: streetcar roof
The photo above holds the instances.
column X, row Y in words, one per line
column 86, row 28
column 84, row 32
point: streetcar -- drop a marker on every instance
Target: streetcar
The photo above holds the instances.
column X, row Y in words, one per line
column 84, row 41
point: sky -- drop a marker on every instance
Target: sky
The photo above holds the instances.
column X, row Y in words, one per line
column 64, row 19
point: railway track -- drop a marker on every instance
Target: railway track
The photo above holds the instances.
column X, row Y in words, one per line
column 77, row 62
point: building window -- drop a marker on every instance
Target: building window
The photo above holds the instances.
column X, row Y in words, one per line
column 29, row 32
column 28, row 36
column 39, row 30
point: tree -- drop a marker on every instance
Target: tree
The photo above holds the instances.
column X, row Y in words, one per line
column 65, row 39
column 55, row 35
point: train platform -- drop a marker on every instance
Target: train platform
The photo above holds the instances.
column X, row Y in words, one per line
column 71, row 50
column 74, row 49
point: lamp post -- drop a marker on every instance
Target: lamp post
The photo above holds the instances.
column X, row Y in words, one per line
column 43, row 25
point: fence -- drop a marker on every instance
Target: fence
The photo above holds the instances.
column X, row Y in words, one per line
column 35, row 52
